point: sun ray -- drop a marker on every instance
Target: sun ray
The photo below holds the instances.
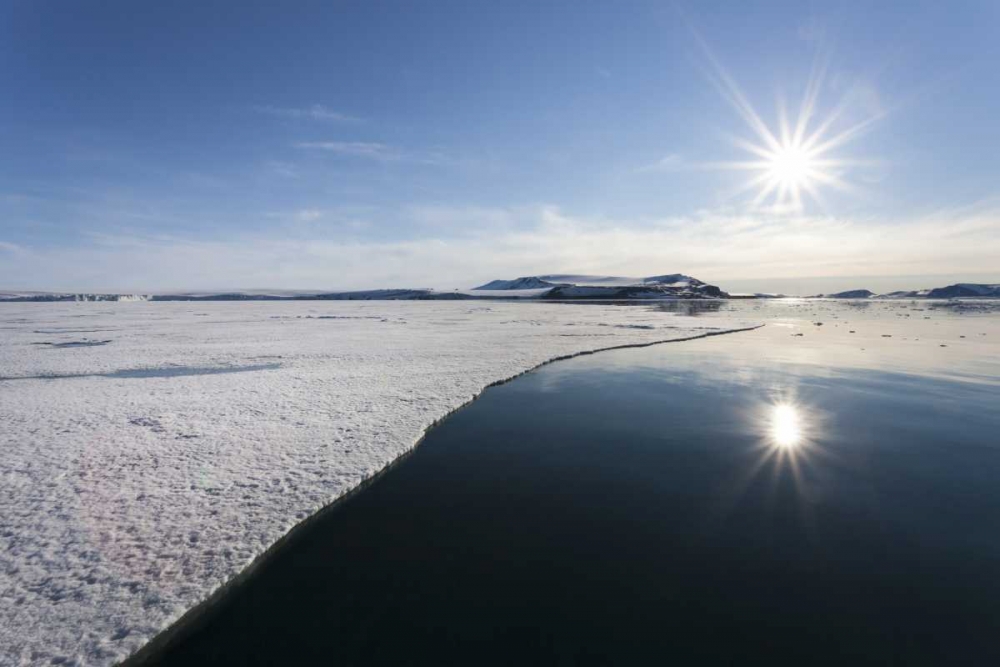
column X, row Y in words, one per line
column 785, row 128
column 752, row 165
column 732, row 93
column 795, row 160
column 832, row 180
column 846, row 136
column 750, row 184
column 814, row 194
column 816, row 77
column 755, row 149
column 770, row 187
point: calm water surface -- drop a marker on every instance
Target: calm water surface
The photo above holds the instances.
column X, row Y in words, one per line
column 727, row 501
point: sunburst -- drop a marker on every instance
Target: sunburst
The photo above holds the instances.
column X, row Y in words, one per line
column 790, row 166
column 791, row 162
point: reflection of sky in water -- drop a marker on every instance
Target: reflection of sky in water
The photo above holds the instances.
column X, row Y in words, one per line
column 808, row 401
column 870, row 375
column 903, row 337
column 719, row 501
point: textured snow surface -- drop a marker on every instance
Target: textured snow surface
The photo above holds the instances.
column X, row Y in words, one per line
column 150, row 451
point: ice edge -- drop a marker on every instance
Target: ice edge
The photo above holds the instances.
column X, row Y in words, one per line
column 188, row 621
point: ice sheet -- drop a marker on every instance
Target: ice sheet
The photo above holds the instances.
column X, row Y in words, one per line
column 150, row 451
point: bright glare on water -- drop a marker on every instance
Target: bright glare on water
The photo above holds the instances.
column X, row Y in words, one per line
column 786, row 426
column 824, row 493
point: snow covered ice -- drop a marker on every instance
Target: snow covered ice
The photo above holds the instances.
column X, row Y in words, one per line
column 150, row 451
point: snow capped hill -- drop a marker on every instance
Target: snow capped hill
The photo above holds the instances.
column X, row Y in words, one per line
column 958, row 290
column 556, row 286
column 550, row 286
column 852, row 294
column 528, row 282
column 676, row 279
column 619, row 281
column 593, row 281
column 574, row 286
column 965, row 289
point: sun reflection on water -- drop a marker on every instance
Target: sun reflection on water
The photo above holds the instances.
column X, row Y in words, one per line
column 786, row 426
column 789, row 436
column 788, row 445
column 789, row 439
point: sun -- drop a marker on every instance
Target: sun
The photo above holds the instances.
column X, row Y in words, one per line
column 791, row 162
column 791, row 167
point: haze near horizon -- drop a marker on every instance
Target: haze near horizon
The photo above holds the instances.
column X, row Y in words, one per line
column 783, row 148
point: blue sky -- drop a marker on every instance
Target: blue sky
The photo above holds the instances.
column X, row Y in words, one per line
column 204, row 145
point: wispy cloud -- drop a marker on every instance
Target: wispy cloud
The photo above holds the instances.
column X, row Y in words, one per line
column 314, row 221
column 669, row 162
column 281, row 168
column 314, row 112
column 718, row 246
column 366, row 149
column 308, row 214
column 10, row 247
column 373, row 150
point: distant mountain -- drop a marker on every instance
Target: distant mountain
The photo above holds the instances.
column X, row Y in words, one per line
column 360, row 295
column 956, row 291
column 651, row 291
column 51, row 296
column 553, row 286
column 672, row 279
column 573, row 286
column 528, row 282
column 964, row 290
column 959, row 290
column 851, row 294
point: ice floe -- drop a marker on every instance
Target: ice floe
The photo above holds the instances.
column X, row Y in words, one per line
column 150, row 451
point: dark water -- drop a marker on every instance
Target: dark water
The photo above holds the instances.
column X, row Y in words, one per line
column 634, row 508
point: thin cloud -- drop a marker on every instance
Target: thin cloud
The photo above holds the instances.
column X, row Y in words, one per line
column 308, row 214
column 717, row 246
column 314, row 112
column 373, row 150
column 283, row 169
column 310, row 222
column 366, row 149
column 670, row 162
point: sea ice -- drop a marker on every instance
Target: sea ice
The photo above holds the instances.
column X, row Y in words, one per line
column 150, row 451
